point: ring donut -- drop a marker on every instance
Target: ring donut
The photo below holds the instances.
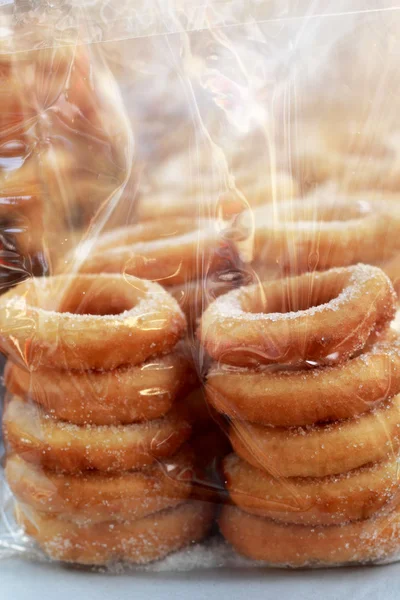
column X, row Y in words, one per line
column 94, row 497
column 300, row 546
column 170, row 252
column 265, row 396
column 321, row 232
column 124, row 395
column 353, row 154
column 321, row 317
column 320, row 450
column 140, row 542
column 321, row 501
column 88, row 321
column 68, row 448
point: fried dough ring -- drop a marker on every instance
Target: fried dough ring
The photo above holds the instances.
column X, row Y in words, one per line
column 294, row 398
column 63, row 447
column 300, row 546
column 251, row 190
column 313, row 501
column 141, row 541
column 320, row 450
column 362, row 161
column 122, row 396
column 95, row 497
column 321, row 232
column 321, row 317
column 88, row 321
column 170, row 252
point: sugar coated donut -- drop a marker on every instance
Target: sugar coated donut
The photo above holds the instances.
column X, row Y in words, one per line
column 322, row 317
column 323, row 231
column 300, row 546
column 94, row 496
column 328, row 500
column 88, row 321
column 123, row 395
column 167, row 251
column 60, row 446
column 141, row 541
column 320, row 450
column 287, row 398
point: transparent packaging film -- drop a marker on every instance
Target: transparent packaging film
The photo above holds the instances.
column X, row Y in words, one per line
column 199, row 254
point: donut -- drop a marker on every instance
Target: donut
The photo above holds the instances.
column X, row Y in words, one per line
column 140, row 542
column 348, row 151
column 250, row 189
column 63, row 447
column 313, row 501
column 124, row 395
column 328, row 229
column 95, row 497
column 293, row 398
column 170, row 251
column 320, row 317
column 300, row 545
column 88, row 321
column 320, row 450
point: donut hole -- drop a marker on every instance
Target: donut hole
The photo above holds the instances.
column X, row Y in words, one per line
column 290, row 295
column 99, row 303
column 85, row 295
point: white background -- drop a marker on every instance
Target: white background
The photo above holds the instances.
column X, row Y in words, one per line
column 20, row 580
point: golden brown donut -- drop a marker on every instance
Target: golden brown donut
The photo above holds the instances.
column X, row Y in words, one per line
column 321, row 317
column 141, row 541
column 328, row 229
column 68, row 448
column 124, row 395
column 363, row 158
column 300, row 546
column 328, row 500
column 94, row 496
column 88, row 321
column 320, row 450
column 287, row 398
column 170, row 252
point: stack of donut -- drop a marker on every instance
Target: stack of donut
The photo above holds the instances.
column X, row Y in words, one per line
column 94, row 425
column 186, row 255
column 308, row 373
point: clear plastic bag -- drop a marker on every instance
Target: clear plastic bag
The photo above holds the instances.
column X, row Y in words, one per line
column 199, row 219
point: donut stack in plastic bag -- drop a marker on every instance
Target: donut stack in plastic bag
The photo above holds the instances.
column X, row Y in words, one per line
column 308, row 374
column 94, row 423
